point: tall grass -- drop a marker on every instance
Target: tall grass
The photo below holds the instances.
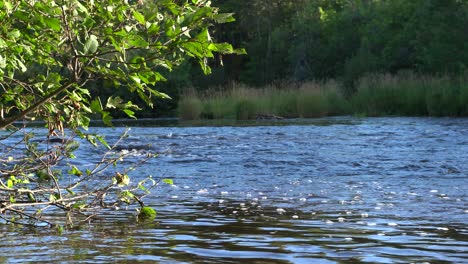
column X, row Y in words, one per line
column 404, row 94
column 411, row 95
column 241, row 102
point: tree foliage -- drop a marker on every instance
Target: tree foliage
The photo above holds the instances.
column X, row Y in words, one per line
column 344, row 39
column 50, row 51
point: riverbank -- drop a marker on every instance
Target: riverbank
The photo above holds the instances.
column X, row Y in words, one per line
column 375, row 95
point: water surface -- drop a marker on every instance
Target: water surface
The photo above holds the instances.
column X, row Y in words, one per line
column 345, row 190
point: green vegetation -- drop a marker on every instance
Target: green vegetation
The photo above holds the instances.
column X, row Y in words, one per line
column 53, row 54
column 376, row 95
column 242, row 102
column 146, row 213
column 66, row 62
column 407, row 94
column 306, row 40
column 363, row 45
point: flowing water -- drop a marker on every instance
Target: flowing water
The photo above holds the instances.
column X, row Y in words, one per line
column 343, row 190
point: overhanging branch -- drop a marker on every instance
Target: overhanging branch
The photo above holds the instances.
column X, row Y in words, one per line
column 10, row 120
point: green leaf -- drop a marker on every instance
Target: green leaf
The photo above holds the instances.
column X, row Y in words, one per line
column 103, row 141
column 96, row 105
column 89, row 22
column 15, row 33
column 224, row 18
column 196, row 49
column 8, row 5
column 53, row 23
column 168, row 181
column 205, row 68
column 81, row 7
column 91, row 45
column 3, row 62
column 79, row 205
column 60, row 229
column 3, row 44
column 198, row 15
column 129, row 113
column 221, row 47
column 160, row 94
column 75, row 171
column 52, row 198
column 203, row 36
column 106, row 118
column 136, row 41
column 143, row 188
column 146, row 213
column 114, row 102
column 139, row 17
column 225, row 48
column 121, row 179
column 31, row 197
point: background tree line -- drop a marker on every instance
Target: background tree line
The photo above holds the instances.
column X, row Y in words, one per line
column 305, row 40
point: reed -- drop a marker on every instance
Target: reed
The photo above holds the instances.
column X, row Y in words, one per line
column 239, row 101
column 408, row 94
column 404, row 94
column 190, row 107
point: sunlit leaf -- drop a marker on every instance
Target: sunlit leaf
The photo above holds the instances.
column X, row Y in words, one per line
column 91, row 45
column 52, row 23
column 168, row 181
column 224, row 18
column 139, row 17
column 75, row 171
column 103, row 141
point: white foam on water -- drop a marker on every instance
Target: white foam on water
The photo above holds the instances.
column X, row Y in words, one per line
column 202, row 191
column 280, row 210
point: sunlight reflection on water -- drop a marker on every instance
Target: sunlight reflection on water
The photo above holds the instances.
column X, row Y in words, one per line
column 374, row 190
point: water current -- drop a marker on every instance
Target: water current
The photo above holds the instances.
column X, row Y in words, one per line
column 339, row 190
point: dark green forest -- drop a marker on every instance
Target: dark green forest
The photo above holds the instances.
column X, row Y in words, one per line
column 294, row 42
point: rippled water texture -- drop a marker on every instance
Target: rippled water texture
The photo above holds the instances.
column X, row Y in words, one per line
column 375, row 190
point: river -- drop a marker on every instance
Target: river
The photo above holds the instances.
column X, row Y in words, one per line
column 333, row 190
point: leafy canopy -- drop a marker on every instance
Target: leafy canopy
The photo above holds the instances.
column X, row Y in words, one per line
column 49, row 51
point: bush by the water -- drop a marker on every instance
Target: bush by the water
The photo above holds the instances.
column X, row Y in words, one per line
column 405, row 94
